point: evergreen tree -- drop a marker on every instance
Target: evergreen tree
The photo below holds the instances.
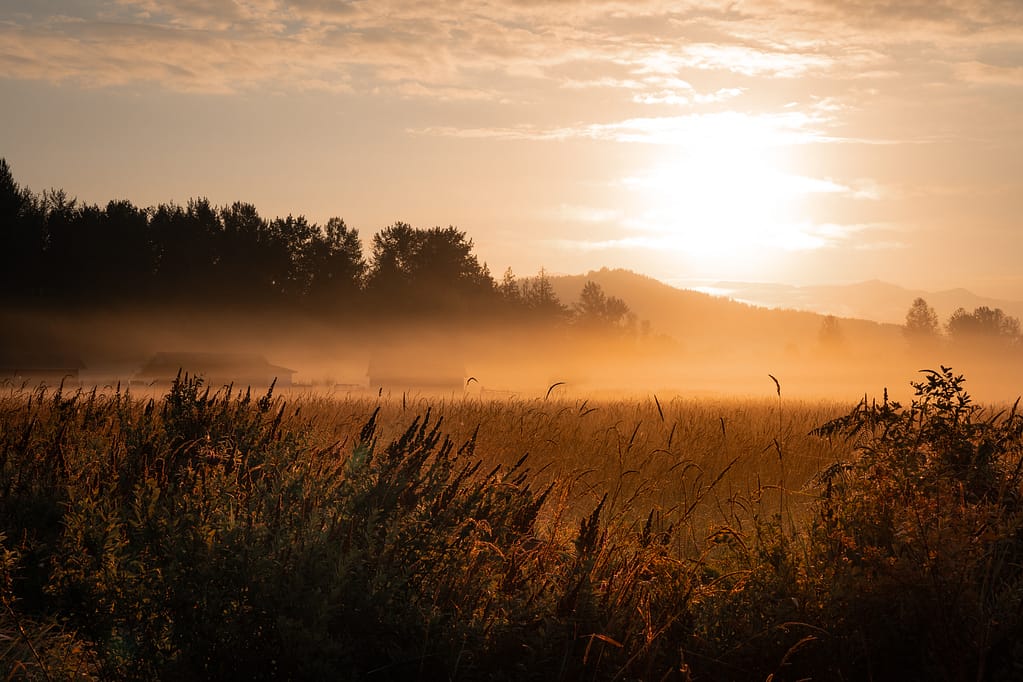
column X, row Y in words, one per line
column 539, row 297
column 509, row 288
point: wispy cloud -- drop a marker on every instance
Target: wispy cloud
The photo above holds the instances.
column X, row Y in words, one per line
column 780, row 128
column 440, row 45
column 979, row 73
column 765, row 240
column 750, row 61
column 635, row 243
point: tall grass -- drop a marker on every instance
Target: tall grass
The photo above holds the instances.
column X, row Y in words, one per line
column 220, row 535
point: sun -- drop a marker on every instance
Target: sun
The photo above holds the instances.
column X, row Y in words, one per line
column 725, row 199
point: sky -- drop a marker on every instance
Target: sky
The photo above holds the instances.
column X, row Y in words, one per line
column 802, row 142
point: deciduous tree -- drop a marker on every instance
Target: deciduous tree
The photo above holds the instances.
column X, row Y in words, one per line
column 921, row 323
column 983, row 325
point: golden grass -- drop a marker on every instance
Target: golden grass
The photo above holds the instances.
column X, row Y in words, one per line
column 690, row 458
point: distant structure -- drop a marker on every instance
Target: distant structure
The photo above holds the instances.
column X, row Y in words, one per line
column 51, row 369
column 216, row 369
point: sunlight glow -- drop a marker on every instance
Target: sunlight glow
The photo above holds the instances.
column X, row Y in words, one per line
column 725, row 198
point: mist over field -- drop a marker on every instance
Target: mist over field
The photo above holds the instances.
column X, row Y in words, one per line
column 721, row 353
column 239, row 447
column 494, row 341
column 132, row 295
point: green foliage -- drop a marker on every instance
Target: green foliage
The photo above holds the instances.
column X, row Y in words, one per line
column 34, row 650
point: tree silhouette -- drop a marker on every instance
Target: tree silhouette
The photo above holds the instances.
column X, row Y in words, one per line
column 283, row 249
column 831, row 335
column 444, row 260
column 416, row 269
column 187, row 241
column 22, row 238
column 12, row 198
column 509, row 289
column 921, row 323
column 67, row 240
column 983, row 325
column 597, row 311
column 540, row 298
column 244, row 269
column 335, row 266
column 393, row 258
column 204, row 256
column 127, row 253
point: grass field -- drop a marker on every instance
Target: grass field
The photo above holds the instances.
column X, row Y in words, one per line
column 218, row 535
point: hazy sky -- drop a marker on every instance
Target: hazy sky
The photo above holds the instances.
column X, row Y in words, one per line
column 797, row 141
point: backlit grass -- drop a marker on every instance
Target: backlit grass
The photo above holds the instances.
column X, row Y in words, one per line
column 222, row 535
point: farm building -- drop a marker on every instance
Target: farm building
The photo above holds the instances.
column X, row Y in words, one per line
column 216, row 369
column 51, row 369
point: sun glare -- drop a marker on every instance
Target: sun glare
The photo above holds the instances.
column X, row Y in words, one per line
column 725, row 199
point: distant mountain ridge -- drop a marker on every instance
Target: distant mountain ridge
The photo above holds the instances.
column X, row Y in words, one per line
column 704, row 321
column 735, row 307
column 870, row 300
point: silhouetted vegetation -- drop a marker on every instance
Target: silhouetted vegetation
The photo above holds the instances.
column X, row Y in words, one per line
column 205, row 257
column 984, row 325
column 831, row 335
column 922, row 325
column 220, row 536
column 986, row 328
column 598, row 311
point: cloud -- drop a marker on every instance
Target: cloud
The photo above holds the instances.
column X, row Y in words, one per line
column 443, row 44
column 646, row 243
column 979, row 73
column 735, row 128
column 750, row 61
column 628, row 62
column 792, row 238
column 102, row 54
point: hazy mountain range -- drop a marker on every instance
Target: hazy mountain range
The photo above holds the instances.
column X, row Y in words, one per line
column 873, row 300
column 714, row 324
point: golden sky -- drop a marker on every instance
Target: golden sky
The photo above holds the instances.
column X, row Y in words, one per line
column 811, row 141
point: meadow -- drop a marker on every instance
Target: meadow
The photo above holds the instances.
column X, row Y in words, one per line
column 222, row 534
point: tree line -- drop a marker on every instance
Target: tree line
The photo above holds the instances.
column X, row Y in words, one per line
column 986, row 326
column 60, row 252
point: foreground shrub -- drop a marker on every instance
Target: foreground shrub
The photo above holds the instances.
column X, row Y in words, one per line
column 916, row 554
column 34, row 650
